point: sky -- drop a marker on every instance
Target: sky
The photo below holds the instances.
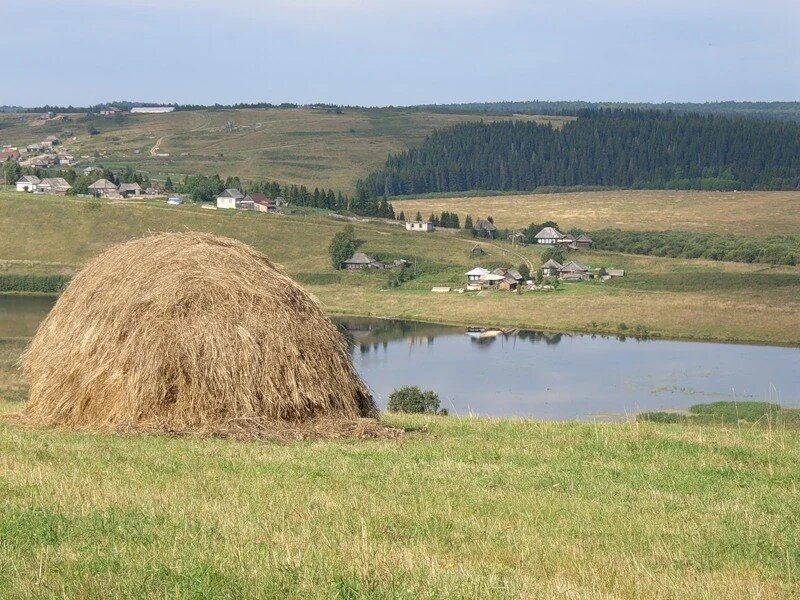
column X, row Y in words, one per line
column 393, row 52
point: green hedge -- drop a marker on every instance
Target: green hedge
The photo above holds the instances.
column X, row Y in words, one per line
column 50, row 284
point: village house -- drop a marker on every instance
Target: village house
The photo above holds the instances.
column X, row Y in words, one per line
column 42, row 162
column 583, row 242
column 103, row 188
column 485, row 228
column 53, row 185
column 359, row 260
column 51, row 140
column 258, row 202
column 511, row 278
column 66, row 160
column 573, row 271
column 27, row 183
column 9, row 154
column 419, row 226
column 126, row 190
column 228, row 198
column 474, row 276
column 33, row 149
column 548, row 235
column 551, row 268
column 567, row 242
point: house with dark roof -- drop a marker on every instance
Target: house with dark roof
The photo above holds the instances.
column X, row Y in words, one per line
column 359, row 260
column 583, row 242
column 258, row 202
column 574, row 270
column 511, row 278
column 485, row 228
column 127, row 190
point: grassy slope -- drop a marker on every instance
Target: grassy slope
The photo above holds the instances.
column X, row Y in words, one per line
column 680, row 298
column 744, row 213
column 301, row 146
column 465, row 508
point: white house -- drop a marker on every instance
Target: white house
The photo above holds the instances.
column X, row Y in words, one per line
column 474, row 276
column 27, row 183
column 228, row 198
column 419, row 226
column 549, row 235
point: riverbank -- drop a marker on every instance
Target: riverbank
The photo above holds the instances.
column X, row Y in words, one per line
column 658, row 297
column 457, row 508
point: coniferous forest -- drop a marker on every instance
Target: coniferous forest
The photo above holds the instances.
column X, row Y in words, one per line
column 614, row 148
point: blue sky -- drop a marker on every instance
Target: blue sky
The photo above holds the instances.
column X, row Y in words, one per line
column 383, row 52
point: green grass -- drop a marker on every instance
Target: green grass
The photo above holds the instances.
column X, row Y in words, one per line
column 460, row 508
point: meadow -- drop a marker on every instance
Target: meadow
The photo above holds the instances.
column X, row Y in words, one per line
column 740, row 213
column 458, row 508
column 312, row 147
column 691, row 299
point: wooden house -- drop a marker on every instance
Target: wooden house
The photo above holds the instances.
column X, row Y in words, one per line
column 551, row 268
column 548, row 235
column 103, row 188
column 574, row 270
column 583, row 242
column 359, row 261
column 53, row 185
column 485, row 228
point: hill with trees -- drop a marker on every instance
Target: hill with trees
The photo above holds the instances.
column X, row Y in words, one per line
column 613, row 148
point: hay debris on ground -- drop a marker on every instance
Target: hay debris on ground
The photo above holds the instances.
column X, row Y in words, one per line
column 188, row 332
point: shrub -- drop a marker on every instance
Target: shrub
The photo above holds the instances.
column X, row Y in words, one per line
column 411, row 399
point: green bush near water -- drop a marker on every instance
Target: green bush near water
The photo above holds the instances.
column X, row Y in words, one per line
column 411, row 399
column 48, row 284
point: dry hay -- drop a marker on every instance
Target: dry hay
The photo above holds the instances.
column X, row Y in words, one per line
column 191, row 333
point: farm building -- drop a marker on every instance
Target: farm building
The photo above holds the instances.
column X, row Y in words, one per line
column 103, row 188
column 583, row 241
column 359, row 260
column 129, row 189
column 516, row 237
column 551, row 268
column 53, row 185
column 574, row 271
column 549, row 235
column 27, row 183
column 485, row 228
column 511, row 278
column 228, row 198
column 419, row 226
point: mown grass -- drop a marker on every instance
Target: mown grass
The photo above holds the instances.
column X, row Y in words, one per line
column 666, row 297
column 739, row 213
column 459, row 508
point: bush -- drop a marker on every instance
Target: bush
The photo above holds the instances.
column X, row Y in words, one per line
column 411, row 399
column 554, row 253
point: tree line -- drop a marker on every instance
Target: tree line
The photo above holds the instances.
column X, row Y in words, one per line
column 619, row 148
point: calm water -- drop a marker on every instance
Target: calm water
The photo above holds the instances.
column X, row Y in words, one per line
column 530, row 374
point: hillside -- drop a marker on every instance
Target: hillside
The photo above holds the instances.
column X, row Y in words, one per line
column 668, row 297
column 301, row 146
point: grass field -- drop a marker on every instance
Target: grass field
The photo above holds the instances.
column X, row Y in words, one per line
column 668, row 297
column 743, row 213
column 460, row 508
column 303, row 146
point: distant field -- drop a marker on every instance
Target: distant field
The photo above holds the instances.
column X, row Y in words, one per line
column 670, row 297
column 745, row 213
column 302, row 146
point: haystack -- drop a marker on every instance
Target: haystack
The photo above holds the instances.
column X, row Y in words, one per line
column 190, row 333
